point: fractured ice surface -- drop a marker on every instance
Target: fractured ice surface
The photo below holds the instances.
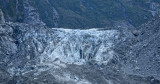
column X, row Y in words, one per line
column 79, row 46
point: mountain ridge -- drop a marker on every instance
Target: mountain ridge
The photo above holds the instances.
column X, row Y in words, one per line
column 80, row 13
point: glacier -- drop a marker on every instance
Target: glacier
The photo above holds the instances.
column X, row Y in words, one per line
column 75, row 46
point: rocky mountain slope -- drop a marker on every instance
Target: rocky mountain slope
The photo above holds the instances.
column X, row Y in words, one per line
column 143, row 56
column 36, row 54
column 80, row 13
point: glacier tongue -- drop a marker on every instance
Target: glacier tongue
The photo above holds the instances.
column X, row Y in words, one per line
column 80, row 46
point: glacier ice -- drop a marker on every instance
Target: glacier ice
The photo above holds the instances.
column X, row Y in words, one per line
column 79, row 46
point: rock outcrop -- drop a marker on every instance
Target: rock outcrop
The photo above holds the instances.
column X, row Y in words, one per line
column 141, row 56
column 2, row 20
column 30, row 14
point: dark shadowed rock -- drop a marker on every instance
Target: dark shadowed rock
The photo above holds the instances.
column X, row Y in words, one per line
column 2, row 20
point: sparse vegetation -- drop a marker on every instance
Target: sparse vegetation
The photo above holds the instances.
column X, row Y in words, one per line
column 86, row 13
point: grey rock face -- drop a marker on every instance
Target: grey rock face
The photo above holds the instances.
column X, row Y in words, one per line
column 142, row 56
column 20, row 11
column 30, row 14
column 148, row 53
